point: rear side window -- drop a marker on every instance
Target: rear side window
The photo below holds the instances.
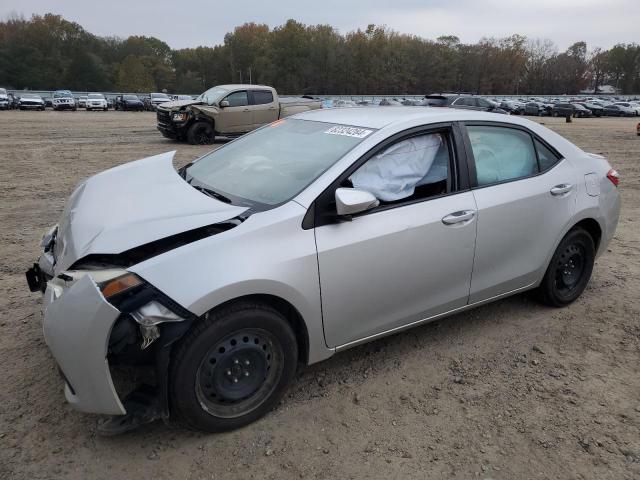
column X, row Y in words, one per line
column 546, row 158
column 501, row 154
column 262, row 97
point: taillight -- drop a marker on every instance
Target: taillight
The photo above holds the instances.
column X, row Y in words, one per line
column 614, row 176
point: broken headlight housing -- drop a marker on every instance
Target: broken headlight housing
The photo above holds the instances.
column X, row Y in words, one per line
column 149, row 316
column 132, row 295
column 180, row 116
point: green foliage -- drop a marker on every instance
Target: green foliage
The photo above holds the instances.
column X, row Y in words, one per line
column 49, row 52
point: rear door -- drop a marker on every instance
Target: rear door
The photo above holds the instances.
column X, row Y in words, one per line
column 264, row 106
column 401, row 262
column 525, row 194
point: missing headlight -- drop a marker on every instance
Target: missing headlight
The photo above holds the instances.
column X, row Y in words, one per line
column 148, row 317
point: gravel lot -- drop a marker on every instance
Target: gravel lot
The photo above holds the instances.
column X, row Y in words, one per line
column 512, row 390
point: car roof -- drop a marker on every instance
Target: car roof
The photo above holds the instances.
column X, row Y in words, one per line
column 380, row 117
column 235, row 86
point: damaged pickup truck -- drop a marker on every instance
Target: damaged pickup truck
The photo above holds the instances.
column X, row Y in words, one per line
column 305, row 237
column 227, row 110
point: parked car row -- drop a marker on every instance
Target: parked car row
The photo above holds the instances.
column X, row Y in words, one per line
column 65, row 100
column 582, row 107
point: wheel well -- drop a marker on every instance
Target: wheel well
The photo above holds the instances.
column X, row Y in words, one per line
column 290, row 313
column 203, row 118
column 593, row 228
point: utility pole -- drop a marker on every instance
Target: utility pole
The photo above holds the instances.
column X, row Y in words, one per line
column 250, row 76
column 240, row 71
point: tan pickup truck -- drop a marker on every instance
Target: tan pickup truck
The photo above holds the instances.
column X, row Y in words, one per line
column 227, row 110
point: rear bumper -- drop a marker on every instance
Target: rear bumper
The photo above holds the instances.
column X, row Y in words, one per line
column 77, row 325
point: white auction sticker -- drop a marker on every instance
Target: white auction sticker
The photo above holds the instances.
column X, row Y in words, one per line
column 349, row 131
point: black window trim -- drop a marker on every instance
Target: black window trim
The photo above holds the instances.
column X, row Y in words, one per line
column 471, row 162
column 320, row 213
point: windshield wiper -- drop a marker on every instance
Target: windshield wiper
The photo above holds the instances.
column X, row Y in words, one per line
column 212, row 193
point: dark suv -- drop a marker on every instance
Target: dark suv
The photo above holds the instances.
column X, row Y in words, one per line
column 563, row 110
column 475, row 103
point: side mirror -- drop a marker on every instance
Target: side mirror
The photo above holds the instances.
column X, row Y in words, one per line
column 353, row 200
column 224, row 103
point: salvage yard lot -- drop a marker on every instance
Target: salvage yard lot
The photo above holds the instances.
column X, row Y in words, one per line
column 512, row 390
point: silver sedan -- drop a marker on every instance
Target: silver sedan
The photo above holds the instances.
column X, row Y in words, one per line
column 306, row 237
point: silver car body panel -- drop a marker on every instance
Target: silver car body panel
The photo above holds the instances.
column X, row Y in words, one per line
column 393, row 267
column 510, row 216
column 268, row 254
column 77, row 324
column 130, row 205
column 381, row 273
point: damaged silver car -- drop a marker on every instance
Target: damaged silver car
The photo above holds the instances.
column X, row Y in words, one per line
column 306, row 237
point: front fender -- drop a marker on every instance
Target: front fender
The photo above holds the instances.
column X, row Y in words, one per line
column 268, row 254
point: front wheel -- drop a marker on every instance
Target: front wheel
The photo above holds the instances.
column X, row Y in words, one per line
column 201, row 133
column 569, row 270
column 233, row 367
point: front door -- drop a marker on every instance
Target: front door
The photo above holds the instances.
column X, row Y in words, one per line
column 238, row 116
column 406, row 260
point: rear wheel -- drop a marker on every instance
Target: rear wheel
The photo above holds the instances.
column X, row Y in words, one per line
column 233, row 367
column 201, row 133
column 569, row 270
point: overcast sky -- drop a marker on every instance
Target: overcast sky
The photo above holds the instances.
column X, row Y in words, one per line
column 191, row 23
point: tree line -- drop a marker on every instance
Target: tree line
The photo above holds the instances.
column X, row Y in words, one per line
column 48, row 52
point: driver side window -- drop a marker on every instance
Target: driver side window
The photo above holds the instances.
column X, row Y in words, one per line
column 238, row 99
column 413, row 168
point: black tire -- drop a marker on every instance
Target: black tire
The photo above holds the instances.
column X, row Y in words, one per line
column 206, row 394
column 570, row 269
column 201, row 133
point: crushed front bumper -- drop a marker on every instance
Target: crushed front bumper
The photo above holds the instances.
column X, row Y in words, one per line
column 77, row 324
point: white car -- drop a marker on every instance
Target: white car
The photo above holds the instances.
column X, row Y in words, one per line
column 632, row 105
column 96, row 101
column 63, row 100
column 4, row 99
column 299, row 240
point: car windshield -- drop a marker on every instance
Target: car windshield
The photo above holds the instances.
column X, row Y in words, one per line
column 3, row 91
column 96, row 96
column 212, row 95
column 30, row 95
column 274, row 163
column 159, row 95
column 131, row 97
column 62, row 95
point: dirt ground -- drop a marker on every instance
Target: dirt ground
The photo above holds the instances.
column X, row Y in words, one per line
column 512, row 390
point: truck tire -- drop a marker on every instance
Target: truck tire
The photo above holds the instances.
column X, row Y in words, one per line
column 201, row 133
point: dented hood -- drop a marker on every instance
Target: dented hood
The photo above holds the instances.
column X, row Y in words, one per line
column 178, row 104
column 131, row 205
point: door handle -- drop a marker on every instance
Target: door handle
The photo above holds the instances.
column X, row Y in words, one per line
column 246, row 110
column 459, row 217
column 561, row 189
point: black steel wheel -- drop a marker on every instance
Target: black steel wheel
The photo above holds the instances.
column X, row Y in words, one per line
column 201, row 133
column 569, row 270
column 232, row 367
column 236, row 374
